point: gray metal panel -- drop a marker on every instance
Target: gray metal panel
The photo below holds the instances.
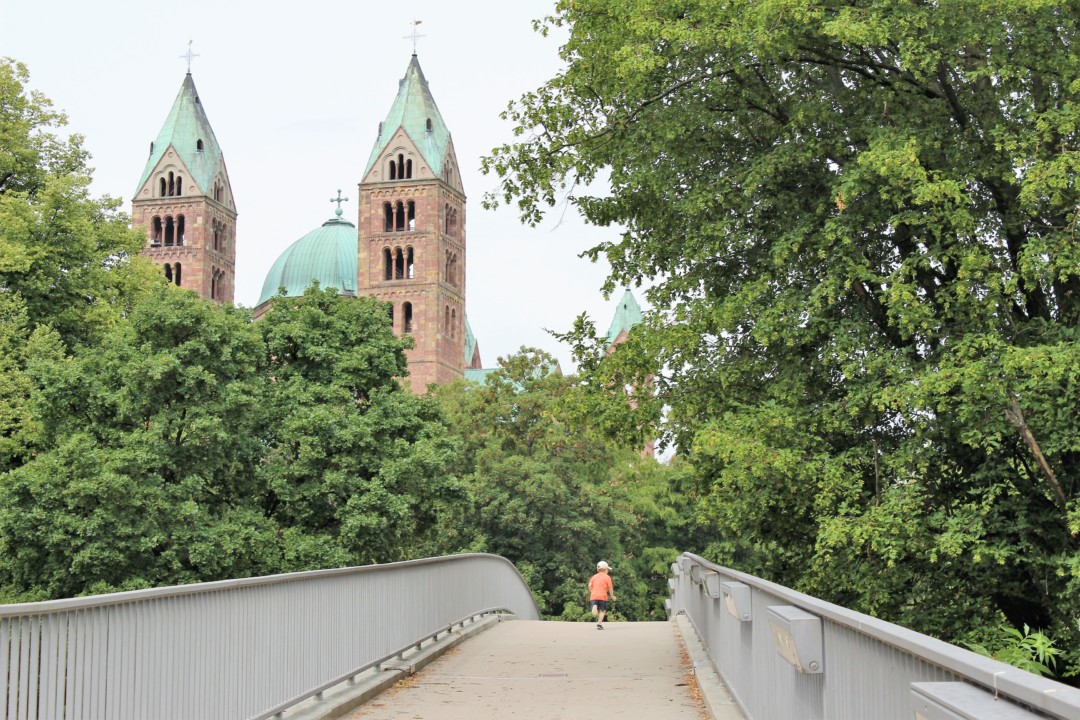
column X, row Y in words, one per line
column 6, row 666
column 236, row 648
column 869, row 664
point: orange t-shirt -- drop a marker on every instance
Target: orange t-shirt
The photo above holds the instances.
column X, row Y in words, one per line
column 599, row 586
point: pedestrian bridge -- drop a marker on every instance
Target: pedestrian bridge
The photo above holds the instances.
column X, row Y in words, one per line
column 317, row 644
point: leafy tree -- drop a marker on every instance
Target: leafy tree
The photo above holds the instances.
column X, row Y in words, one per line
column 15, row 384
column 151, row 442
column 68, row 263
column 661, row 508
column 72, row 260
column 552, row 494
column 860, row 221
column 190, row 444
column 357, row 469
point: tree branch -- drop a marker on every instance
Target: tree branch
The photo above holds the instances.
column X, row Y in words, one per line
column 1015, row 416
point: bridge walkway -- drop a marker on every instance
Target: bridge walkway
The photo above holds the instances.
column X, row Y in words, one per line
column 550, row 671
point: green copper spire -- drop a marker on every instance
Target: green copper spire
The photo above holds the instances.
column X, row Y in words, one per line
column 470, row 343
column 188, row 132
column 414, row 110
column 627, row 315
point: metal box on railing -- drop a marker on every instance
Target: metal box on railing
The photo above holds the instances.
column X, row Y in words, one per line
column 797, row 636
column 737, row 600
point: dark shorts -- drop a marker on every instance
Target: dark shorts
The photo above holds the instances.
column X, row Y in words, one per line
column 599, row 604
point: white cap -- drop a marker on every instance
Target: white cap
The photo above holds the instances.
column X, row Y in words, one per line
column 602, row 566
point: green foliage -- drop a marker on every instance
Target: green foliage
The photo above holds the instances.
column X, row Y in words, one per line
column 1028, row 650
column 71, row 260
column 540, row 488
column 555, row 496
column 15, row 385
column 352, row 459
column 149, row 439
column 193, row 445
column 857, row 222
column 68, row 263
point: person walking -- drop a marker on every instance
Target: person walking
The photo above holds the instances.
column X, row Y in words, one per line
column 600, row 587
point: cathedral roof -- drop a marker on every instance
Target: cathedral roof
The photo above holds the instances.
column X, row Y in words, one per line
column 627, row 315
column 327, row 254
column 412, row 110
column 188, row 131
column 478, row 375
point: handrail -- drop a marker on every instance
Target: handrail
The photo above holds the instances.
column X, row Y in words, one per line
column 127, row 596
column 869, row 665
column 235, row 648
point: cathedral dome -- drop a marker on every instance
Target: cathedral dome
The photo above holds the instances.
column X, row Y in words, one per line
column 327, row 254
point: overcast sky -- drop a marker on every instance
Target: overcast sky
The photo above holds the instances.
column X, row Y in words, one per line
column 295, row 92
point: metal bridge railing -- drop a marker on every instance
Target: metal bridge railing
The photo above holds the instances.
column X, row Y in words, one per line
column 236, row 648
column 787, row 655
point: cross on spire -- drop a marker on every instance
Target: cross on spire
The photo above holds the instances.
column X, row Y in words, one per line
column 338, row 200
column 189, row 55
column 415, row 35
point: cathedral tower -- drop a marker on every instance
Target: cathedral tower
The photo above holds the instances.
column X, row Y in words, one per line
column 185, row 202
column 412, row 232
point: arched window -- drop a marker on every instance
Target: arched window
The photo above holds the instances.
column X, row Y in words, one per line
column 393, row 170
column 453, row 323
column 446, row 320
column 179, row 184
column 199, row 145
column 407, row 319
column 155, row 231
column 453, row 270
column 168, row 272
column 399, row 264
column 216, row 234
column 217, row 284
column 388, row 264
column 169, row 231
column 179, row 229
column 176, row 272
column 429, row 127
column 446, row 267
column 172, row 185
column 410, row 264
column 162, row 187
column 451, row 221
column 400, row 216
column 401, row 166
column 408, row 168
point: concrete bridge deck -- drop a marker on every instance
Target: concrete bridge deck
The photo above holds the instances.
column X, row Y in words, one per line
column 549, row 671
